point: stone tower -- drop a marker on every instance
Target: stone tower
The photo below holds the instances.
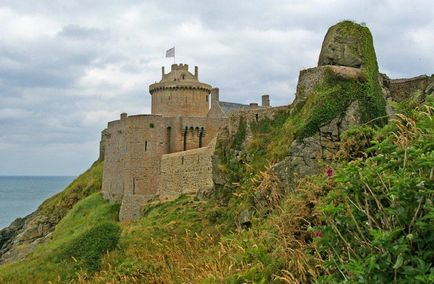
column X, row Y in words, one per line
column 179, row 93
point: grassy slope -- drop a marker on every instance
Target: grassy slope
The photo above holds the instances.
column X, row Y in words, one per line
column 54, row 260
column 79, row 208
column 87, row 183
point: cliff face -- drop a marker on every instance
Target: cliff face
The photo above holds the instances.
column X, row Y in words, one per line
column 24, row 234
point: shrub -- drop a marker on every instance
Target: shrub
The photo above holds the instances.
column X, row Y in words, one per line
column 378, row 218
column 87, row 249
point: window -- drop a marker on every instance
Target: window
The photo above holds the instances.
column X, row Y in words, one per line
column 134, row 185
column 168, row 138
column 146, row 146
column 151, row 125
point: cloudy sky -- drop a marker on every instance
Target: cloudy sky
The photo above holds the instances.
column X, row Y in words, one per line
column 68, row 67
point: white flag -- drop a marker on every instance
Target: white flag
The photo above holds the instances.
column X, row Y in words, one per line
column 170, row 52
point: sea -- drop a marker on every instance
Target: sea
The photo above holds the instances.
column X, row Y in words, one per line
column 21, row 195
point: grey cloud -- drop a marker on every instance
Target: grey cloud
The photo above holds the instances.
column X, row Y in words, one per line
column 59, row 89
column 83, row 33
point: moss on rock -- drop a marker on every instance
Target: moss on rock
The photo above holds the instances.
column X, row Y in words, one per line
column 335, row 92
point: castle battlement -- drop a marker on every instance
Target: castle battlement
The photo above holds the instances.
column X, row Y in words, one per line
column 179, row 66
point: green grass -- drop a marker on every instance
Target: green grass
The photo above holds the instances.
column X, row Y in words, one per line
column 78, row 242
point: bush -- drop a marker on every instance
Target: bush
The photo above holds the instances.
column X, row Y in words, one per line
column 87, row 249
column 378, row 218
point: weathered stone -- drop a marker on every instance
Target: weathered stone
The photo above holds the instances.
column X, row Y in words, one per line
column 21, row 237
column 245, row 218
column 343, row 45
column 307, row 155
column 402, row 89
column 309, row 79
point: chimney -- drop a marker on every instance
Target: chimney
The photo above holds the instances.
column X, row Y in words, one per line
column 196, row 72
column 162, row 71
column 266, row 100
column 124, row 115
column 214, row 96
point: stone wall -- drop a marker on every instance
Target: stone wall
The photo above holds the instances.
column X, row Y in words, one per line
column 186, row 172
column 252, row 115
column 401, row 89
column 132, row 206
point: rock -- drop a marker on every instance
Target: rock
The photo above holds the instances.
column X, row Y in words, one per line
column 7, row 234
column 245, row 219
column 22, row 236
column 343, row 45
column 310, row 78
column 306, row 156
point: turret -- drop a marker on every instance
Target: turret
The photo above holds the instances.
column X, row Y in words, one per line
column 179, row 93
column 266, row 100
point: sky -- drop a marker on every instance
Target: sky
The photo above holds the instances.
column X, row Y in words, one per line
column 68, row 67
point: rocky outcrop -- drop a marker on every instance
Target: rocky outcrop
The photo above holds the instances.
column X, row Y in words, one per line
column 308, row 155
column 309, row 80
column 21, row 237
column 342, row 46
column 345, row 90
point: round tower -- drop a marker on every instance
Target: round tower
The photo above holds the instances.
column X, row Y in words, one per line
column 179, row 93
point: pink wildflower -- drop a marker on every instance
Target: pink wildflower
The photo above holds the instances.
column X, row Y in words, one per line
column 317, row 234
column 329, row 172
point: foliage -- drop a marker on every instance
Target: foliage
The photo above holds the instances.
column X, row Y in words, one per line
column 379, row 216
column 87, row 249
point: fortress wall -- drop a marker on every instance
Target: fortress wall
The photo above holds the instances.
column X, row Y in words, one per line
column 252, row 115
column 114, row 151
column 145, row 141
column 132, row 206
column 186, row 172
column 195, row 124
column 133, row 147
column 180, row 102
column 401, row 89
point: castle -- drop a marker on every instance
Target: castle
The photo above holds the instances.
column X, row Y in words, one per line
column 168, row 152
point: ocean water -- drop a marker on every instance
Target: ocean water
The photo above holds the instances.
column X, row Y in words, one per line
column 21, row 195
